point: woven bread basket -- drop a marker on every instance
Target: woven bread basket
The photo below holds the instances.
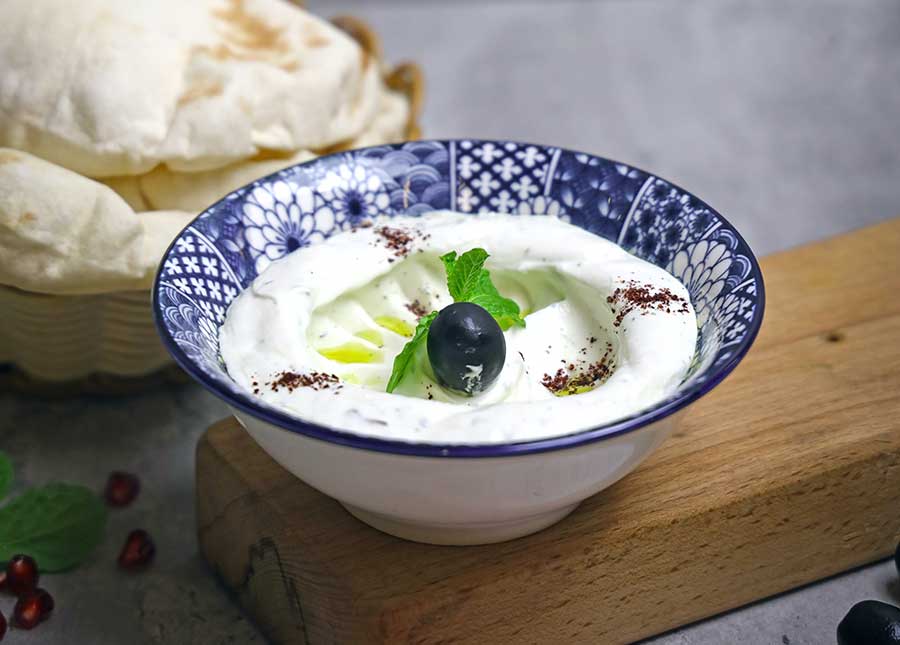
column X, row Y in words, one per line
column 107, row 343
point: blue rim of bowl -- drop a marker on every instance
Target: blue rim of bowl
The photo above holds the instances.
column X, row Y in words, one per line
column 293, row 424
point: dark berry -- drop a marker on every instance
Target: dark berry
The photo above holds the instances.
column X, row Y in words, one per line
column 27, row 613
column 870, row 622
column 121, row 489
column 138, row 550
column 3, row 585
column 21, row 574
column 466, row 348
column 2, row 625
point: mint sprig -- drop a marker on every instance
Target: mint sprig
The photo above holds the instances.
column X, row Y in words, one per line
column 58, row 525
column 467, row 281
column 403, row 360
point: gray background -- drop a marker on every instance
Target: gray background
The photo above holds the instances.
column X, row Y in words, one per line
column 783, row 115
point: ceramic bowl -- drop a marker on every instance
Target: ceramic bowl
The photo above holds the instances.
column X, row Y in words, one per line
column 457, row 494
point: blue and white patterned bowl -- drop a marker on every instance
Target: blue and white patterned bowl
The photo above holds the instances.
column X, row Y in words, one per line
column 236, row 239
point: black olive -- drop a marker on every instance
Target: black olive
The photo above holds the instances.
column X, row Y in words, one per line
column 897, row 558
column 466, row 348
column 870, row 622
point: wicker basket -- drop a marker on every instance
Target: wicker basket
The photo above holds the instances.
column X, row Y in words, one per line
column 107, row 343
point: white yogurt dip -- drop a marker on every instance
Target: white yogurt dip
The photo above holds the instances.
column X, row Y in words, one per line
column 347, row 306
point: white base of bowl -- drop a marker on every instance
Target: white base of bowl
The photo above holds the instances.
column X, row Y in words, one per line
column 460, row 534
column 458, row 500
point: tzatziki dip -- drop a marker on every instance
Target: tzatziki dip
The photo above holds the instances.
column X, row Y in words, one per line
column 461, row 329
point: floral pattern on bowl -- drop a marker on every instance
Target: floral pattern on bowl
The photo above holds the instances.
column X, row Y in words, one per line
column 236, row 239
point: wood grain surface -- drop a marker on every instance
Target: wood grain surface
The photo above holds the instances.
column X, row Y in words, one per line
column 786, row 473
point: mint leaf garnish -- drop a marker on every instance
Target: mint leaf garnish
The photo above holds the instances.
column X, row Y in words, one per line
column 469, row 281
column 463, row 279
column 403, row 360
column 6, row 474
column 58, row 525
column 449, row 260
column 504, row 310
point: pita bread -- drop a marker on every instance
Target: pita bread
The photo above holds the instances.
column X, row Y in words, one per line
column 389, row 124
column 110, row 88
column 195, row 191
column 163, row 188
column 128, row 188
column 62, row 233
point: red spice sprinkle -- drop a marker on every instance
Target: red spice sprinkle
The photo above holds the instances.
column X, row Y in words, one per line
column 645, row 297
column 293, row 380
column 557, row 382
column 564, row 381
column 417, row 309
column 595, row 372
column 396, row 239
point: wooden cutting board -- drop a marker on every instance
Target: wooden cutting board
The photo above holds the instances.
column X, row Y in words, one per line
column 787, row 473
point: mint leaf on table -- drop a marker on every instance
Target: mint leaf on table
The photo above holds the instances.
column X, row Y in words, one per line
column 6, row 474
column 469, row 281
column 403, row 360
column 58, row 525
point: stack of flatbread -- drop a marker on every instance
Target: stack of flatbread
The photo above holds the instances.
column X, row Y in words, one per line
column 119, row 121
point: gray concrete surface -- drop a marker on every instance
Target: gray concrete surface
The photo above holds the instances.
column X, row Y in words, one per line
column 783, row 115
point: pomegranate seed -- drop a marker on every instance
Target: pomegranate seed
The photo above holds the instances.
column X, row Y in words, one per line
column 138, row 550
column 121, row 488
column 2, row 626
column 27, row 612
column 21, row 574
column 46, row 602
